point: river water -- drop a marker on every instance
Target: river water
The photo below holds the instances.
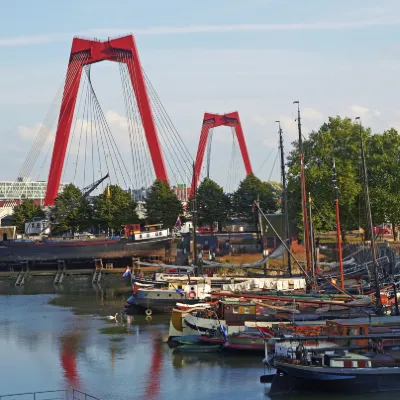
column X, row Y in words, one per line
column 52, row 341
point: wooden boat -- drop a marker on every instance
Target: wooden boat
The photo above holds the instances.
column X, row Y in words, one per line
column 163, row 300
column 248, row 341
column 187, row 339
column 192, row 348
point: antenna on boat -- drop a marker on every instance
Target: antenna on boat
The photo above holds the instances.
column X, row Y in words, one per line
column 370, row 224
column 303, row 190
column 284, row 198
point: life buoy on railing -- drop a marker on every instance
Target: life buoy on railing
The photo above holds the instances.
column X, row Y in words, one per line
column 192, row 294
column 149, row 311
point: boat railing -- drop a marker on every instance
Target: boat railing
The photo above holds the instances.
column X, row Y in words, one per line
column 78, row 395
column 49, row 395
column 45, row 395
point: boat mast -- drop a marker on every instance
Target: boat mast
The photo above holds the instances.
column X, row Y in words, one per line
column 303, row 191
column 284, row 199
column 370, row 224
column 338, row 236
column 313, row 262
column 194, row 216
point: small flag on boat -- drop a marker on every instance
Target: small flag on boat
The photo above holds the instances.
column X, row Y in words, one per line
column 127, row 272
column 180, row 291
column 223, row 330
column 178, row 222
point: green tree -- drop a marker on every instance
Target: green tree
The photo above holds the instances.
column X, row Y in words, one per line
column 276, row 189
column 115, row 208
column 383, row 165
column 25, row 211
column 213, row 205
column 162, row 205
column 248, row 191
column 71, row 211
column 336, row 139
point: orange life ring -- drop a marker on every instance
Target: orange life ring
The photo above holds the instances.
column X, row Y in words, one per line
column 192, row 294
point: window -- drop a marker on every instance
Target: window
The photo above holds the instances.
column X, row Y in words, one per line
column 246, row 310
column 235, row 310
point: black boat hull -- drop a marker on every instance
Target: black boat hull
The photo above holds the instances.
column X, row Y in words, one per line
column 345, row 380
column 80, row 250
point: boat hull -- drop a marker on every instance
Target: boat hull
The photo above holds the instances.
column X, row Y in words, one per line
column 80, row 250
column 159, row 305
column 294, row 379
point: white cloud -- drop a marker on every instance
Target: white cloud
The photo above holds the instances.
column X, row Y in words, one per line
column 312, row 114
column 359, row 110
column 26, row 40
column 377, row 20
column 28, row 132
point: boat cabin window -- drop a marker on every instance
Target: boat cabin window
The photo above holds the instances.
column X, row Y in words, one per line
column 246, row 310
column 235, row 310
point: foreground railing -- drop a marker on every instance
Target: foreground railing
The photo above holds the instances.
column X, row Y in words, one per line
column 49, row 395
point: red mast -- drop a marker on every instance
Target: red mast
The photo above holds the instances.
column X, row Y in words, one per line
column 303, row 192
column 339, row 238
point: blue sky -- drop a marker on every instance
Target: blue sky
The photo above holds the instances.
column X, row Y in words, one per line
column 253, row 56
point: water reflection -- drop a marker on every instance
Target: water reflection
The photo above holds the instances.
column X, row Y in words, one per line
column 60, row 345
column 69, row 349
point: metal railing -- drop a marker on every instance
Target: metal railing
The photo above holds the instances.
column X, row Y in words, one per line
column 49, row 395
column 78, row 395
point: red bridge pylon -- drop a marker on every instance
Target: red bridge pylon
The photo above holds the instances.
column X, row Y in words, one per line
column 212, row 121
column 85, row 52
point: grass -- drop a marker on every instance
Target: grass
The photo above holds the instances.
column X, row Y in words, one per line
column 117, row 339
column 114, row 330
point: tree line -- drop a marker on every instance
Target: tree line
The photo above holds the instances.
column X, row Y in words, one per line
column 338, row 140
column 115, row 207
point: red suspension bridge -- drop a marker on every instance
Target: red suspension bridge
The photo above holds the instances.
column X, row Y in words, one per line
column 153, row 149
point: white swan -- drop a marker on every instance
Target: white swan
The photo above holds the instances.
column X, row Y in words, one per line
column 110, row 317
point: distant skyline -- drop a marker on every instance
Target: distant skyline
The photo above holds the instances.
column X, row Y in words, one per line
column 253, row 56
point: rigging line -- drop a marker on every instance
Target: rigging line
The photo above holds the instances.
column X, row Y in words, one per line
column 86, row 130
column 203, row 140
column 170, row 136
column 185, row 150
column 170, row 128
column 87, row 94
column 269, row 154
column 142, row 158
column 142, row 144
column 100, row 133
column 40, row 139
column 127, row 110
column 162, row 124
column 209, row 153
column 69, row 93
column 44, row 137
column 100, row 118
column 91, row 139
column 75, row 122
column 98, row 145
column 273, row 165
column 104, row 139
column 230, row 168
column 110, row 136
column 134, row 126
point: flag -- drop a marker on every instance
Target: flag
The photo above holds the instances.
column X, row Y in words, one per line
column 180, row 291
column 108, row 194
column 223, row 330
column 127, row 272
column 178, row 223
